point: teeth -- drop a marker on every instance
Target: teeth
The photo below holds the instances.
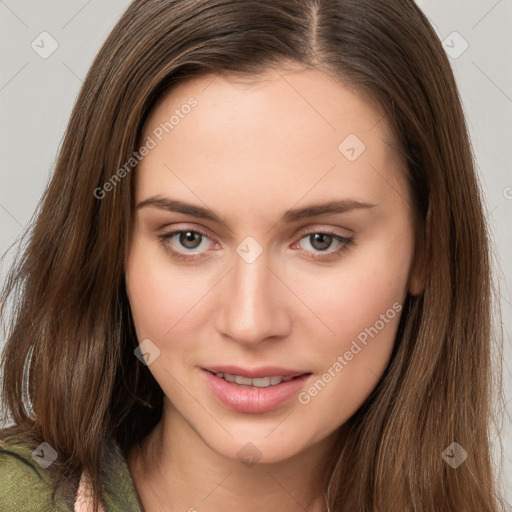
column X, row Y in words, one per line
column 243, row 380
column 261, row 382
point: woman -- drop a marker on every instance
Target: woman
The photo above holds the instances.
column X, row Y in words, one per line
column 259, row 277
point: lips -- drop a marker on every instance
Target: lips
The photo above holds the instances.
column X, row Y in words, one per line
column 254, row 390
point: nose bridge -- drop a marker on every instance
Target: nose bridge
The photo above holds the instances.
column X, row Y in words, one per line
column 251, row 283
column 254, row 308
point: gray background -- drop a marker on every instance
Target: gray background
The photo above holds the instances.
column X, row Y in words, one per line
column 36, row 97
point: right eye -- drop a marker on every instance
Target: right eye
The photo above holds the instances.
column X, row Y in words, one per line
column 183, row 240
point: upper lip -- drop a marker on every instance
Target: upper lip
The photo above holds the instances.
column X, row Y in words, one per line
column 254, row 373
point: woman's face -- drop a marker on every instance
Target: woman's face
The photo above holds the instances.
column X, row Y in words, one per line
column 273, row 240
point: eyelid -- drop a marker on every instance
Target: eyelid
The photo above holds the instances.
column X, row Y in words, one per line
column 175, row 228
column 320, row 228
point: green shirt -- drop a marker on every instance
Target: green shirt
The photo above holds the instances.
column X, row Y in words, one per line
column 26, row 487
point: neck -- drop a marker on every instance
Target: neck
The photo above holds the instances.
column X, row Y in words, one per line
column 174, row 469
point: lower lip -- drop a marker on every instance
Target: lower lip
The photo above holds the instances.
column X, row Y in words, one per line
column 250, row 399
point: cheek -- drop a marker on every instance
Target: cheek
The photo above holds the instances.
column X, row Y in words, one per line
column 159, row 295
column 351, row 362
column 362, row 306
column 352, row 297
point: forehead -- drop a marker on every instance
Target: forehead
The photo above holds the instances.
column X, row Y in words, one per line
column 276, row 96
column 283, row 130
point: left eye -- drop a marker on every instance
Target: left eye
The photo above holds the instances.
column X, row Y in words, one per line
column 322, row 241
column 192, row 239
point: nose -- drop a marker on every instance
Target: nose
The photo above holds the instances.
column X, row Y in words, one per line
column 253, row 303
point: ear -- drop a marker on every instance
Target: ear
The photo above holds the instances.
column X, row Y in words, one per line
column 416, row 284
column 418, row 272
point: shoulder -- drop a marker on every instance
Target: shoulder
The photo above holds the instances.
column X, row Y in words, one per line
column 121, row 493
column 24, row 483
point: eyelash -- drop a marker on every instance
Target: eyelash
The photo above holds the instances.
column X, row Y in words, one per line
column 346, row 242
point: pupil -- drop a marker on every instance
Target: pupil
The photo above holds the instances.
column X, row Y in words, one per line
column 321, row 237
column 190, row 239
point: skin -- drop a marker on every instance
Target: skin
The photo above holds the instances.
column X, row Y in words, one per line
column 250, row 150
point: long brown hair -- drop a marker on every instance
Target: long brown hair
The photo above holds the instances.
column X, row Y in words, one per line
column 71, row 327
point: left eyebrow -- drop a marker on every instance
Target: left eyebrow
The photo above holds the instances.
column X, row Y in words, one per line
column 293, row 215
column 329, row 208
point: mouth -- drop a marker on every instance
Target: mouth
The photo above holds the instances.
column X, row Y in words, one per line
column 254, row 391
column 259, row 382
